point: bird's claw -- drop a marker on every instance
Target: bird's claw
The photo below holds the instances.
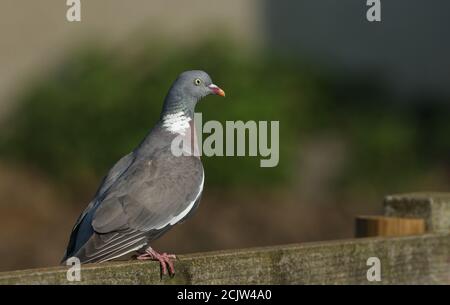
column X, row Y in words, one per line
column 163, row 258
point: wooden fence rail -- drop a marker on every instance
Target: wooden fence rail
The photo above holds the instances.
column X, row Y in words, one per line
column 418, row 259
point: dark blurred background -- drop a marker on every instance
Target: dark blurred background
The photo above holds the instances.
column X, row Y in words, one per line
column 363, row 107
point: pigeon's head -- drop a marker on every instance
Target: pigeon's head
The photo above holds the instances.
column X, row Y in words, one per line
column 187, row 90
column 196, row 84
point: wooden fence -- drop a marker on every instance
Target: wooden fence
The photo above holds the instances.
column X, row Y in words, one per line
column 414, row 259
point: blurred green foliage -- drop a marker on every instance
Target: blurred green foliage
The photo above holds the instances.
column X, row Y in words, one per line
column 99, row 104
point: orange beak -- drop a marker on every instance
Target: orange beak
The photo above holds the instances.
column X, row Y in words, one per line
column 216, row 90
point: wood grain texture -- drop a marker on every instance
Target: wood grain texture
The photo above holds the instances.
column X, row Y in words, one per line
column 371, row 226
column 423, row 259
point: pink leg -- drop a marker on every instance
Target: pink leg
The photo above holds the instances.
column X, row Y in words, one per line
column 163, row 259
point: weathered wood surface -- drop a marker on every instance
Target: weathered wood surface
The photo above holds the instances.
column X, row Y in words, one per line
column 433, row 207
column 418, row 259
column 423, row 259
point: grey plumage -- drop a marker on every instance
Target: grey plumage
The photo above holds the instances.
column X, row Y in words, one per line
column 149, row 190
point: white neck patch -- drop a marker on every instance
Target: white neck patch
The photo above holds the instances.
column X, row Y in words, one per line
column 176, row 122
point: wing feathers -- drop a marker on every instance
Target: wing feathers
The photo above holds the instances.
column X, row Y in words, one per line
column 139, row 202
column 101, row 247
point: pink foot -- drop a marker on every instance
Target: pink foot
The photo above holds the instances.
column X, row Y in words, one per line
column 163, row 258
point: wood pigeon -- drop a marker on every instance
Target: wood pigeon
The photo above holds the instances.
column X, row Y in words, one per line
column 149, row 190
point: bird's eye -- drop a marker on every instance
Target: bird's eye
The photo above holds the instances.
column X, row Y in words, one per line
column 197, row 81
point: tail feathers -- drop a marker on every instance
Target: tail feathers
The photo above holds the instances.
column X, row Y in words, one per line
column 105, row 247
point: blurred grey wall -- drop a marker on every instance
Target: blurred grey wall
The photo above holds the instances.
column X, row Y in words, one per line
column 410, row 46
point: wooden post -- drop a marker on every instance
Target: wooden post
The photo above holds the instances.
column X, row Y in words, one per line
column 371, row 226
column 422, row 259
column 408, row 214
column 434, row 208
